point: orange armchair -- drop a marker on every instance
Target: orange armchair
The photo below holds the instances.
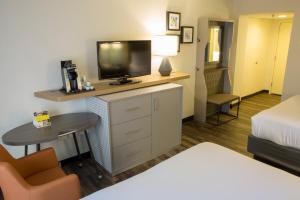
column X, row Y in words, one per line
column 36, row 177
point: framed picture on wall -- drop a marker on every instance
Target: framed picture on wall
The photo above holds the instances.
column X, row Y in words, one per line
column 173, row 21
column 187, row 34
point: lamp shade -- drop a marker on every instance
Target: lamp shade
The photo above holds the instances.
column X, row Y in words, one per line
column 165, row 45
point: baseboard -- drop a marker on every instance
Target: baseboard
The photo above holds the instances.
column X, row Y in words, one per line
column 187, row 119
column 249, row 96
column 256, row 93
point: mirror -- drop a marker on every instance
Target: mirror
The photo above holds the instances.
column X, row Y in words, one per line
column 213, row 51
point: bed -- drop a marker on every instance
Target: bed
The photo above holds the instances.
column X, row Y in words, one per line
column 206, row 171
column 276, row 134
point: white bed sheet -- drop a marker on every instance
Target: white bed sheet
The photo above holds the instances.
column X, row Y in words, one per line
column 206, row 172
column 280, row 124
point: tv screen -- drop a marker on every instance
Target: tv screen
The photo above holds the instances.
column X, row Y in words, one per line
column 120, row 58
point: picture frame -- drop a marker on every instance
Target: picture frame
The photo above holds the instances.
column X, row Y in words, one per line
column 173, row 21
column 187, row 35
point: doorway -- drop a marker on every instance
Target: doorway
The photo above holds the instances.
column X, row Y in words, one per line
column 262, row 52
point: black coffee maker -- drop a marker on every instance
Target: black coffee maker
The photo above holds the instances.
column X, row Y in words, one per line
column 70, row 77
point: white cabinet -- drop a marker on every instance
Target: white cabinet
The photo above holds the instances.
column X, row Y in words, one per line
column 166, row 120
column 130, row 108
column 136, row 125
column 131, row 131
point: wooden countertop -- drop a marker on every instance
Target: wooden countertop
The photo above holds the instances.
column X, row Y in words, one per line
column 105, row 88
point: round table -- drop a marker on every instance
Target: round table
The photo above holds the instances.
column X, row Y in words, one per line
column 61, row 125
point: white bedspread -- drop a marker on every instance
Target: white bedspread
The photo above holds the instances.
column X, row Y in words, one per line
column 280, row 124
column 206, row 172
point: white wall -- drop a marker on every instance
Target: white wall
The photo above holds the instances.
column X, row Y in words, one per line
column 36, row 35
column 242, row 7
column 256, row 48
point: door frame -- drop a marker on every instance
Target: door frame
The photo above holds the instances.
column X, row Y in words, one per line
column 276, row 53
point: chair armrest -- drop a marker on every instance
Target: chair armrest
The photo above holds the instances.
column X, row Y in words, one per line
column 66, row 188
column 13, row 186
column 37, row 162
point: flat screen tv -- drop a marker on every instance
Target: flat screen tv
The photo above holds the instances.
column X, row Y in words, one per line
column 123, row 58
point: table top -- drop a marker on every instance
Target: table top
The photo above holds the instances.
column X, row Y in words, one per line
column 105, row 88
column 28, row 134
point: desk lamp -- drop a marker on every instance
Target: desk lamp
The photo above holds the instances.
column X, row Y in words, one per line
column 166, row 46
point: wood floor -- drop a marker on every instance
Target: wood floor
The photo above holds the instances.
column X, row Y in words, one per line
column 232, row 135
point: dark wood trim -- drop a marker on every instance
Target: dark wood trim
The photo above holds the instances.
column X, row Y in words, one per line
column 187, row 119
column 249, row 96
column 277, row 95
column 182, row 34
column 254, row 94
column 167, row 24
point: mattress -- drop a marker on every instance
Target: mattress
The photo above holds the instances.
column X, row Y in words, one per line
column 209, row 172
column 280, row 124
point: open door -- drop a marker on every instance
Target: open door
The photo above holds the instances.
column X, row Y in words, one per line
column 284, row 36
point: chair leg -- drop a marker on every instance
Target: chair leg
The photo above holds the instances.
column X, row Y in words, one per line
column 77, row 149
column 26, row 150
column 238, row 109
column 219, row 113
column 92, row 154
column 38, row 147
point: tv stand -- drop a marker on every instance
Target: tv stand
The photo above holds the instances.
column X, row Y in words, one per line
column 136, row 126
column 103, row 89
column 124, row 80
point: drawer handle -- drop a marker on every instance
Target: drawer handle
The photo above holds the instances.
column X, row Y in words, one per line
column 132, row 109
column 133, row 154
column 132, row 132
column 155, row 104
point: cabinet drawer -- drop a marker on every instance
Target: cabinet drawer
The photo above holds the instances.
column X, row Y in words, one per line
column 131, row 154
column 129, row 109
column 131, row 131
